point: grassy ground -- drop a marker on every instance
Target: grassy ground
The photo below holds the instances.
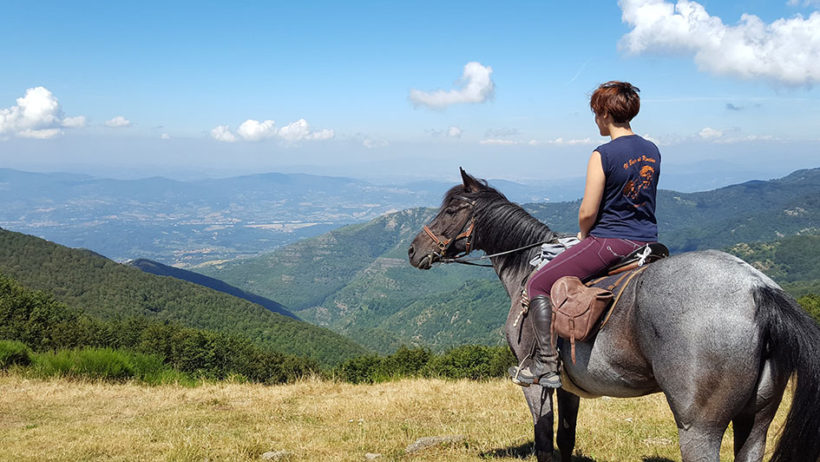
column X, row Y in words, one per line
column 312, row 420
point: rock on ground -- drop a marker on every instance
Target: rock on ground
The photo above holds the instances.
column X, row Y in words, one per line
column 276, row 455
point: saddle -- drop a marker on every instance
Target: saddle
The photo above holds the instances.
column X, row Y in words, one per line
column 577, row 307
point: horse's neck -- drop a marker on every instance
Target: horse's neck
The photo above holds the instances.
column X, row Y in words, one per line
column 519, row 229
column 511, row 276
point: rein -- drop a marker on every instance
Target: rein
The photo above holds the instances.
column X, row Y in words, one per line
column 468, row 261
column 444, row 244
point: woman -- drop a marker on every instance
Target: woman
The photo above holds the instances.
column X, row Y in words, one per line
column 617, row 216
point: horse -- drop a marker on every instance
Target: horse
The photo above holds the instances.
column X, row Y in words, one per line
column 716, row 336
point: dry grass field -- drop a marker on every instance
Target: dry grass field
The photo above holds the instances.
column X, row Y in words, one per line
column 316, row 420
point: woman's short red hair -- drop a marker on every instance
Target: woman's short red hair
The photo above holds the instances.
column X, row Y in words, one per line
column 618, row 99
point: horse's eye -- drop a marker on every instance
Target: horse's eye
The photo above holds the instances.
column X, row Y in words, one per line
column 450, row 211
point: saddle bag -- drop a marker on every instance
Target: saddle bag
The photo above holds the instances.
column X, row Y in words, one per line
column 576, row 309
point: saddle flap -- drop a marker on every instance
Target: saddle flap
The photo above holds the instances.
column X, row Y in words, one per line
column 576, row 309
column 572, row 298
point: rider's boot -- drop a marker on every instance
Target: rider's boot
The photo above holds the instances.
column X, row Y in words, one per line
column 543, row 369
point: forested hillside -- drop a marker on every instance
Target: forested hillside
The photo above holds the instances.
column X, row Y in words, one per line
column 43, row 324
column 793, row 261
column 353, row 279
column 357, row 280
column 108, row 290
column 159, row 269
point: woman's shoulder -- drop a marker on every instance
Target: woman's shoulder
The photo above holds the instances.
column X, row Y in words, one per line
column 627, row 143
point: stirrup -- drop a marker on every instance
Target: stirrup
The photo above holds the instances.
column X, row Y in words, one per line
column 548, row 380
column 514, row 372
column 516, row 378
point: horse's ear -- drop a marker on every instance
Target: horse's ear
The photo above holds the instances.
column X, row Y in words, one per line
column 470, row 183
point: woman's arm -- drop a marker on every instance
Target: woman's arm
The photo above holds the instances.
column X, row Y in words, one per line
column 593, row 192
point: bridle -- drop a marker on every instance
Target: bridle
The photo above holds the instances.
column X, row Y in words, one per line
column 445, row 244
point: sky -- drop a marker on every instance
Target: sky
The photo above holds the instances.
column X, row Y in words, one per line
column 395, row 91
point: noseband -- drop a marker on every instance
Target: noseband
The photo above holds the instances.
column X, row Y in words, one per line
column 445, row 244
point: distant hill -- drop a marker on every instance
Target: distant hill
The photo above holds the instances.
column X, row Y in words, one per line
column 351, row 279
column 159, row 269
column 108, row 290
column 356, row 279
column 748, row 212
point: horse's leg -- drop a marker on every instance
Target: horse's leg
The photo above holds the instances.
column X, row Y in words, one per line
column 701, row 443
column 540, row 402
column 567, row 419
column 752, row 424
column 705, row 394
column 519, row 336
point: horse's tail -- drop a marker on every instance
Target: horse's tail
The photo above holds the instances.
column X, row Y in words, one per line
column 793, row 339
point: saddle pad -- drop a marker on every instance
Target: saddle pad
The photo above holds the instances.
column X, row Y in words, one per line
column 616, row 284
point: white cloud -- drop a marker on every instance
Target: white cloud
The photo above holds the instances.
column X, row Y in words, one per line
column 296, row 131
column 36, row 115
column 710, row 133
column 499, row 141
column 803, row 3
column 556, row 141
column 74, row 122
column 475, row 86
column 454, row 132
column 254, row 130
column 324, row 134
column 118, row 122
column 501, row 132
column 744, row 139
column 165, row 136
column 223, row 133
column 786, row 50
column 41, row 134
column 373, row 144
column 570, row 142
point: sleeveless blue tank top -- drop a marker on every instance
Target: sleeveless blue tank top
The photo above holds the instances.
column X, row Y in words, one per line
column 632, row 166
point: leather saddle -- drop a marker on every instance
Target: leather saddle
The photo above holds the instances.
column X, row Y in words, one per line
column 639, row 257
column 578, row 307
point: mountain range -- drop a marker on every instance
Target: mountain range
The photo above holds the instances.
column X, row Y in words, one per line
column 190, row 222
column 356, row 279
column 186, row 223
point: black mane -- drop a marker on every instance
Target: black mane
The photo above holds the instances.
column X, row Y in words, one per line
column 502, row 225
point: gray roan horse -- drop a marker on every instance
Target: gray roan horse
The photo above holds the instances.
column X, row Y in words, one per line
column 716, row 336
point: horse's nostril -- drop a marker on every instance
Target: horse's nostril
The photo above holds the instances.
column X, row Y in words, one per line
column 411, row 251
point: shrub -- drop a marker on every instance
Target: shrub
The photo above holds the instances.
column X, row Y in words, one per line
column 474, row 362
column 406, row 362
column 13, row 352
column 363, row 369
column 811, row 303
column 102, row 364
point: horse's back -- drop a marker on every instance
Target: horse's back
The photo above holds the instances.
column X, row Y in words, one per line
column 693, row 288
column 686, row 313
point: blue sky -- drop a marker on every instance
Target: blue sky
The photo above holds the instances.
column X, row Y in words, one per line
column 400, row 90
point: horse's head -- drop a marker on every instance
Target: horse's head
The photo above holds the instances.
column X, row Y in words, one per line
column 450, row 234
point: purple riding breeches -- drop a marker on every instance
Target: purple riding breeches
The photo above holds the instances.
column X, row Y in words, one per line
column 584, row 260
